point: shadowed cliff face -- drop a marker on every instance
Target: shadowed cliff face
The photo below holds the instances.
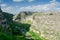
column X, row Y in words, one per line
column 8, row 26
column 2, row 18
column 3, row 21
column 8, row 16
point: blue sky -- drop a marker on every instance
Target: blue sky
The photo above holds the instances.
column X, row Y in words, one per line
column 15, row 6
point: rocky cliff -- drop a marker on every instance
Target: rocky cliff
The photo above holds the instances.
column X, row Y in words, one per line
column 3, row 21
column 46, row 25
column 2, row 18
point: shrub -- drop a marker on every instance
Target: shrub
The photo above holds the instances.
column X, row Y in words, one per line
column 51, row 14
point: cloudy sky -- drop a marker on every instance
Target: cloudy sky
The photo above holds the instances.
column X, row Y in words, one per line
column 16, row 6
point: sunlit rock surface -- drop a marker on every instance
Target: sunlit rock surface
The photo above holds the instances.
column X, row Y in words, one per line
column 45, row 24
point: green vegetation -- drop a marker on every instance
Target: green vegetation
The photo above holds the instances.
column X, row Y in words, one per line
column 4, row 36
column 8, row 16
column 14, row 30
column 27, row 21
column 16, row 34
column 35, row 36
column 51, row 14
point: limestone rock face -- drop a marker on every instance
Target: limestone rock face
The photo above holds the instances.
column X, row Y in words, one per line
column 21, row 16
column 47, row 25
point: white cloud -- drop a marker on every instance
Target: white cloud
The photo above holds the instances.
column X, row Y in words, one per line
column 17, row 0
column 53, row 1
column 3, row 5
column 31, row 0
column 23, row 0
column 10, row 9
column 39, row 8
column 44, row 7
column 7, row 9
